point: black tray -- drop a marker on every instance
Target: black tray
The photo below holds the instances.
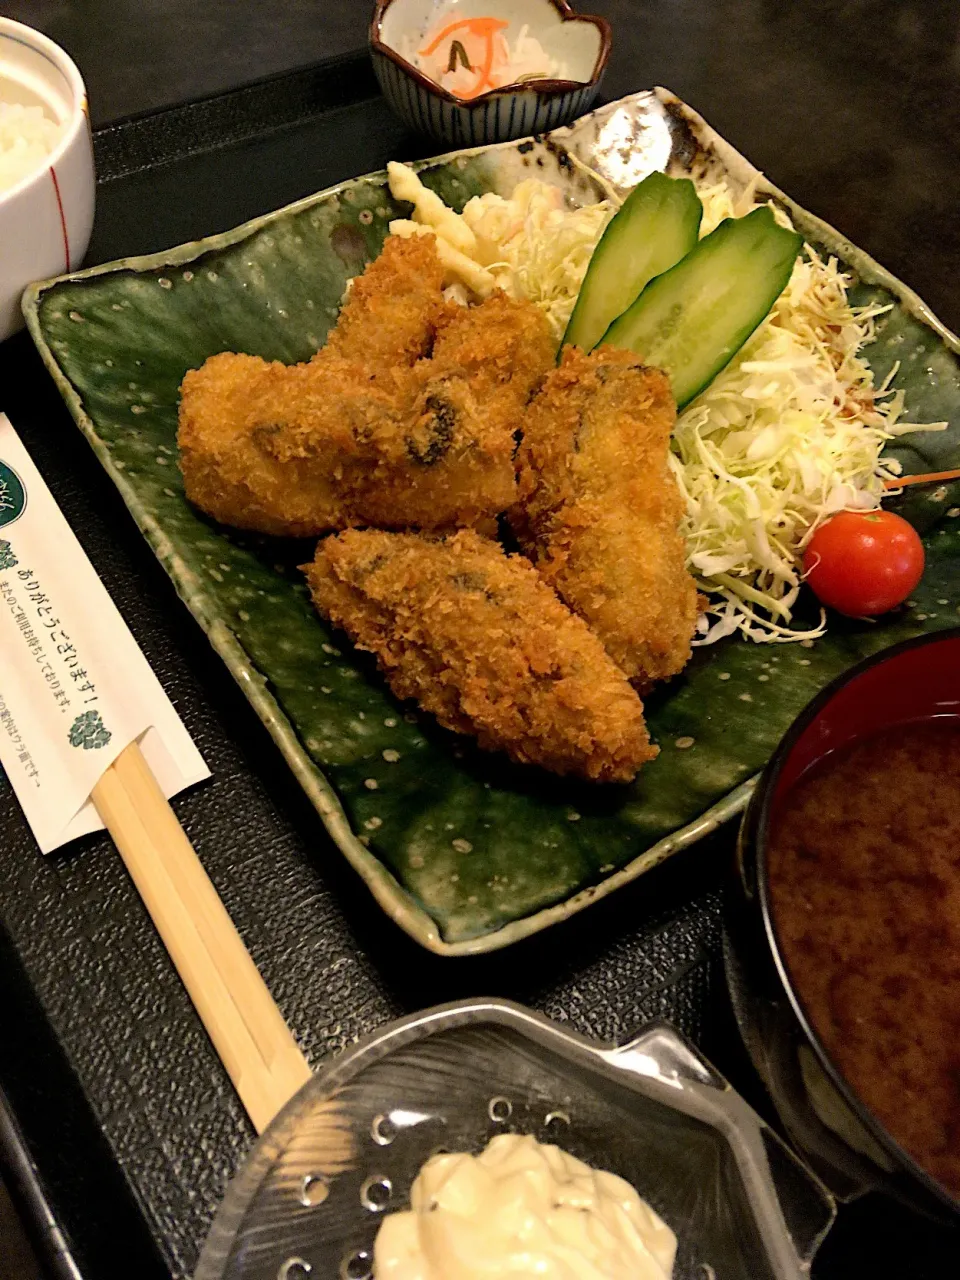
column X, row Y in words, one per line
column 122, row 1128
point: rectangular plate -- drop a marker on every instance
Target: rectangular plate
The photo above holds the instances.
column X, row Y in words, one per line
column 464, row 850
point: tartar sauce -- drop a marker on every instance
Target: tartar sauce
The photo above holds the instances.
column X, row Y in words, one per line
column 522, row 1208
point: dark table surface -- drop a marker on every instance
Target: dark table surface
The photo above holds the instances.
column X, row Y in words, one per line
column 115, row 1098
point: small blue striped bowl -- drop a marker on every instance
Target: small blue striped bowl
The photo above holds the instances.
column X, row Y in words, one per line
column 581, row 42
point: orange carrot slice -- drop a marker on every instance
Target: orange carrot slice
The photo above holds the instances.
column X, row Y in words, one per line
column 484, row 29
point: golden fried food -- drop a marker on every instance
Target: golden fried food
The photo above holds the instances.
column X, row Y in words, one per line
column 445, row 459
column 599, row 509
column 268, row 447
column 451, row 461
column 299, row 450
column 484, row 645
column 349, row 439
column 503, row 344
column 392, row 311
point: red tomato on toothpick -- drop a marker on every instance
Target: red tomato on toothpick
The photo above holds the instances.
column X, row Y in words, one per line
column 863, row 562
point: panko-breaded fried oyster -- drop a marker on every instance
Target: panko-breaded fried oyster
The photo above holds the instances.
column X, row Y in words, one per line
column 484, row 645
column 504, row 343
column 392, row 311
column 266, row 446
column 599, row 509
column 452, row 461
column 444, row 459
column 299, row 450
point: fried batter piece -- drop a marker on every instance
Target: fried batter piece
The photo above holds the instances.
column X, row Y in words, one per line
column 349, row 439
column 392, row 311
column 599, row 510
column 484, row 645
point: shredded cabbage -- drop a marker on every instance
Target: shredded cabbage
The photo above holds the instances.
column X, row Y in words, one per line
column 719, row 203
column 536, row 247
column 791, row 432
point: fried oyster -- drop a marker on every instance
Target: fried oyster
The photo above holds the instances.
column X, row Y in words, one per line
column 598, row 509
column 374, row 429
column 482, row 643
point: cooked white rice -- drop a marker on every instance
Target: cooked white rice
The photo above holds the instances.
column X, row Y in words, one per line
column 27, row 137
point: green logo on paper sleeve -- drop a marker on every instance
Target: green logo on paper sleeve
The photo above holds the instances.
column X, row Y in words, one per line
column 13, row 496
column 7, row 559
column 89, row 731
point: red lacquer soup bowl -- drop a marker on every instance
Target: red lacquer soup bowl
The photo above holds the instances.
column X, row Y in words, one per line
column 907, row 693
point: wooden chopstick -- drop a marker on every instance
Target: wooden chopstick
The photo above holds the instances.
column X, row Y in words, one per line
column 239, row 1013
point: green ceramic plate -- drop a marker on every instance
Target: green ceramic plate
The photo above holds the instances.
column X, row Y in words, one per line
column 465, row 851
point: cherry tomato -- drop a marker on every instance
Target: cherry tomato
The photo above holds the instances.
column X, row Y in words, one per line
column 864, row 562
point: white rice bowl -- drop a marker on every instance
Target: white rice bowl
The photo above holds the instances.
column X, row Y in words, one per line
column 27, row 137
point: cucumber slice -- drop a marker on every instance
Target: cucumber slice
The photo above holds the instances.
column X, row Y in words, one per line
column 692, row 320
column 655, row 226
